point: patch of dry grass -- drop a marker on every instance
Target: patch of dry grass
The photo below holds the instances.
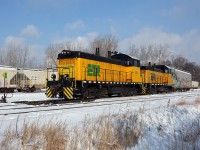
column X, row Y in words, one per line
column 197, row 101
column 110, row 132
column 182, row 103
column 8, row 138
column 188, row 136
column 34, row 136
column 105, row 132
column 55, row 135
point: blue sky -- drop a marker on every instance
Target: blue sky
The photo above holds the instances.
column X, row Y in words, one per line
column 37, row 23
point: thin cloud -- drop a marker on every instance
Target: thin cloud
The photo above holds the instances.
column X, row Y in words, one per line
column 148, row 36
column 30, row 31
column 87, row 38
column 182, row 10
column 76, row 25
column 78, row 43
column 187, row 44
column 14, row 41
column 35, row 50
column 176, row 11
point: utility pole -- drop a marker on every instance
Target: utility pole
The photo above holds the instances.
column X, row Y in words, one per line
column 3, row 98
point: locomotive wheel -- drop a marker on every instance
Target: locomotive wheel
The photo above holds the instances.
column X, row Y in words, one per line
column 86, row 94
column 133, row 91
column 127, row 92
column 90, row 92
column 153, row 90
column 102, row 93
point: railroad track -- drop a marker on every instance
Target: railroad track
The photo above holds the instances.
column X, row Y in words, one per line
column 62, row 101
column 7, row 104
column 97, row 103
column 52, row 101
column 40, row 104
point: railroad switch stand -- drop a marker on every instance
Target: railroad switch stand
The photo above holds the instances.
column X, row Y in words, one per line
column 3, row 99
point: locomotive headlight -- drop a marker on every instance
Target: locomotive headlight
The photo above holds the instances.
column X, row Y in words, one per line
column 53, row 76
column 66, row 75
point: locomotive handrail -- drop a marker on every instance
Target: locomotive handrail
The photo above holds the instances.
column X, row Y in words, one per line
column 115, row 75
column 69, row 71
column 54, row 69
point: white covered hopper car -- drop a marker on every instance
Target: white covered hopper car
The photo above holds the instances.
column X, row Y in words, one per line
column 33, row 77
column 23, row 79
column 7, row 83
column 182, row 80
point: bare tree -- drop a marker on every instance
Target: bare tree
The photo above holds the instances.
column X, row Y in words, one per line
column 152, row 53
column 81, row 45
column 11, row 56
column 17, row 55
column 163, row 53
column 2, row 60
column 52, row 53
column 179, row 62
column 105, row 43
column 144, row 55
column 167, row 62
column 133, row 50
column 69, row 46
column 23, row 57
column 53, row 49
column 34, row 63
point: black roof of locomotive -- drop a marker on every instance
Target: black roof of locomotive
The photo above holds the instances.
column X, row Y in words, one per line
column 123, row 57
column 119, row 59
column 158, row 68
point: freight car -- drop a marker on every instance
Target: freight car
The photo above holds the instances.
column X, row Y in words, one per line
column 83, row 75
column 195, row 84
column 31, row 79
column 182, row 80
column 7, row 83
column 22, row 79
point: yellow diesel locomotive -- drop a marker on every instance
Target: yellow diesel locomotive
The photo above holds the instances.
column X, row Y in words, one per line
column 84, row 75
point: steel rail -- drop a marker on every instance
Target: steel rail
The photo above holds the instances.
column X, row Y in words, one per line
column 94, row 104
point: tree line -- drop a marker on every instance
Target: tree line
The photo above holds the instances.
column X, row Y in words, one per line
column 19, row 55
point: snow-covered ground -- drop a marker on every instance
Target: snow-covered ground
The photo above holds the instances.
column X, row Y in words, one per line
column 159, row 113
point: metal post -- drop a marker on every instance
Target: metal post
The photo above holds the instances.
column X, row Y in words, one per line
column 3, row 99
column 4, row 84
column 96, row 74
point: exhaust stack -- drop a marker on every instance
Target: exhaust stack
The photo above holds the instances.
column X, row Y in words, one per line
column 97, row 51
column 109, row 54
